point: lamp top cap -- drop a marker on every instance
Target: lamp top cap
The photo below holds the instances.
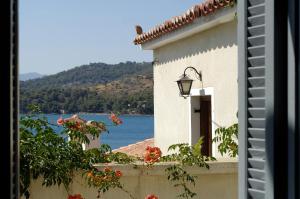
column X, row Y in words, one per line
column 185, row 78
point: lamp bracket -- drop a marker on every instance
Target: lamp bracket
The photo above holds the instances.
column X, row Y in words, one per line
column 195, row 70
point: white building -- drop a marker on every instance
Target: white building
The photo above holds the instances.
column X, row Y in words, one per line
column 205, row 37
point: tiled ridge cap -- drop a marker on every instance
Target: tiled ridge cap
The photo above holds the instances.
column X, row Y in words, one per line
column 135, row 144
column 197, row 11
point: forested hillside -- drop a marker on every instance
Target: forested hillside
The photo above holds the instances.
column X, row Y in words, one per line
column 96, row 88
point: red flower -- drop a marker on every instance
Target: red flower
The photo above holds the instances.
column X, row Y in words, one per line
column 115, row 119
column 76, row 196
column 118, row 174
column 60, row 121
column 152, row 154
column 75, row 123
column 151, row 196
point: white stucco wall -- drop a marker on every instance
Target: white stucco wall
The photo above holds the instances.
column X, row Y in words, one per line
column 220, row 181
column 214, row 52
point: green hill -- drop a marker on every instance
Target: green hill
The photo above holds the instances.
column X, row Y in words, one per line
column 96, row 88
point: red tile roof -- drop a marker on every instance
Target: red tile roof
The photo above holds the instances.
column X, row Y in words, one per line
column 136, row 149
column 197, row 11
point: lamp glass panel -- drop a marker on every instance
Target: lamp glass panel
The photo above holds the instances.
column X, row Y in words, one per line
column 179, row 86
column 186, row 86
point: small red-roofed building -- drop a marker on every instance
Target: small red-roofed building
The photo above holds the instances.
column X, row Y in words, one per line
column 137, row 149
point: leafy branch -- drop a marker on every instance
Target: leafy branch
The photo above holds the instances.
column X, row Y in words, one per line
column 46, row 154
column 186, row 156
column 228, row 140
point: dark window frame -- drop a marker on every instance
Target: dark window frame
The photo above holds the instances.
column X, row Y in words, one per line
column 282, row 105
column 282, row 98
column 10, row 100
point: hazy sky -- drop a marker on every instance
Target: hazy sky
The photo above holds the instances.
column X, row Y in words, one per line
column 56, row 35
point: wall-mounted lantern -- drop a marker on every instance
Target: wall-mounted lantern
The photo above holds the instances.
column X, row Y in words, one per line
column 185, row 83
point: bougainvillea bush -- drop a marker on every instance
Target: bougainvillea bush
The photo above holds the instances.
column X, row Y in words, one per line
column 46, row 154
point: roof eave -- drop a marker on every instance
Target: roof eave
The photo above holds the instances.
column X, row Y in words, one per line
column 201, row 24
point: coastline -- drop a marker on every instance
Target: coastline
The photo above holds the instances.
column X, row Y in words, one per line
column 135, row 128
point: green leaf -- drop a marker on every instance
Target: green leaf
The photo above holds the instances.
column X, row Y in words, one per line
column 197, row 147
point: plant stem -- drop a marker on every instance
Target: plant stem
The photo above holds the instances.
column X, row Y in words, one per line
column 130, row 195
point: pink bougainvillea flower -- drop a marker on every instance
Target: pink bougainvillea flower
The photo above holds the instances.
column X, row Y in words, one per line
column 60, row 121
column 151, row 196
column 113, row 117
column 152, row 154
column 75, row 123
column 75, row 118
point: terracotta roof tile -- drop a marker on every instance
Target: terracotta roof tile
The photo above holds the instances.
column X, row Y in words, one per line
column 197, row 11
column 136, row 149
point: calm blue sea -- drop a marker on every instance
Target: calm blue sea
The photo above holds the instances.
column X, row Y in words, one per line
column 134, row 128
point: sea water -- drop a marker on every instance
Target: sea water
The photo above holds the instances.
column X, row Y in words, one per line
column 133, row 129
